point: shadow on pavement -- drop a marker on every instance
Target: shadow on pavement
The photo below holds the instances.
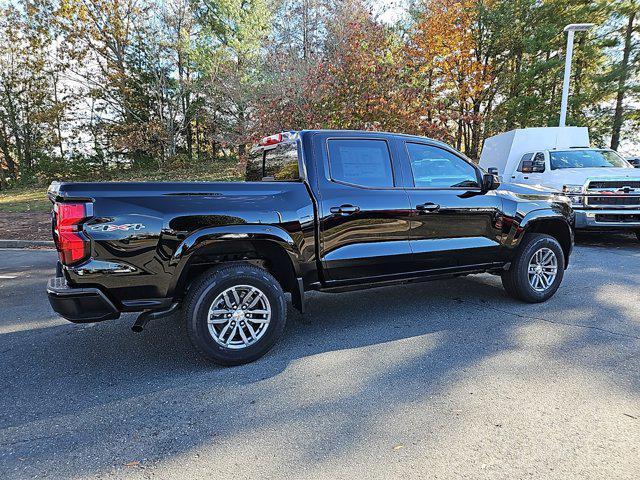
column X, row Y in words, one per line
column 607, row 239
column 83, row 399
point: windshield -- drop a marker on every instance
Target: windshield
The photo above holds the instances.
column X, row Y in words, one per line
column 586, row 159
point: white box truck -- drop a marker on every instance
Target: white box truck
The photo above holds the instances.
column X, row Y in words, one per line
column 603, row 187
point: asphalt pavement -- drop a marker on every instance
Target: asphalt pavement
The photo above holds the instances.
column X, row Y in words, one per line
column 448, row 379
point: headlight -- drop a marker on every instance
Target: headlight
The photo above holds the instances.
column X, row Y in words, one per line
column 574, row 192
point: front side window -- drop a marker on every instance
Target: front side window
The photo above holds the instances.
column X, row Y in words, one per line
column 437, row 168
column 361, row 162
column 586, row 159
column 538, row 165
column 278, row 164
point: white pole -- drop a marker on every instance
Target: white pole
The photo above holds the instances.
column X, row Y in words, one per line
column 567, row 74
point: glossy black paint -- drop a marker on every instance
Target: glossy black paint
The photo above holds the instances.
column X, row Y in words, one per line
column 315, row 233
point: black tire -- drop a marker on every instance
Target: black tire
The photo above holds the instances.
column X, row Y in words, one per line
column 212, row 284
column 516, row 279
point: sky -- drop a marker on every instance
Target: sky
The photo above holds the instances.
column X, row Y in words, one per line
column 389, row 11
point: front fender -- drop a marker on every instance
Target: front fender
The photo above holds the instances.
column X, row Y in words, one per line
column 555, row 221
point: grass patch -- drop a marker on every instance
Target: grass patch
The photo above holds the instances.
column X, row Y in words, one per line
column 21, row 200
column 34, row 199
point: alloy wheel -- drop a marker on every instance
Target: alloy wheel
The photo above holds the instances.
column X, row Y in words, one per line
column 543, row 268
column 239, row 316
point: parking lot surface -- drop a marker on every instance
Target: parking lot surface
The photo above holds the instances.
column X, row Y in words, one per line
column 448, row 379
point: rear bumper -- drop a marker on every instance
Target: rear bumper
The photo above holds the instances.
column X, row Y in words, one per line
column 80, row 305
column 607, row 219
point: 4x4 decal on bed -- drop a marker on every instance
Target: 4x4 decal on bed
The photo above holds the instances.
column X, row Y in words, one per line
column 113, row 228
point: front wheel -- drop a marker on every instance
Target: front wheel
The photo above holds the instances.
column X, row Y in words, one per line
column 234, row 314
column 537, row 269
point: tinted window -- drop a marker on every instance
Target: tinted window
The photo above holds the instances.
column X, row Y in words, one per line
column 361, row 162
column 586, row 159
column 525, row 158
column 437, row 168
column 538, row 165
column 275, row 164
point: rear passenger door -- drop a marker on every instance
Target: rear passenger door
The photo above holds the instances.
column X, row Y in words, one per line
column 364, row 213
column 453, row 223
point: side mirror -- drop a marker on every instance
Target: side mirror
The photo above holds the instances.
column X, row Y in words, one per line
column 527, row 166
column 489, row 182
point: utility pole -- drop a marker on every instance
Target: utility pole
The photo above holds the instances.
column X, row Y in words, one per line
column 570, row 29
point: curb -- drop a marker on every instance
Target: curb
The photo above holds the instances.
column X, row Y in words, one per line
column 26, row 244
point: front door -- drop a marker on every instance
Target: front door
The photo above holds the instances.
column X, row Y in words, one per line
column 364, row 215
column 453, row 223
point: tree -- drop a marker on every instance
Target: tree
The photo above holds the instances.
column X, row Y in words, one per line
column 134, row 59
column 30, row 111
column 229, row 64
column 453, row 57
column 88, row 87
column 627, row 68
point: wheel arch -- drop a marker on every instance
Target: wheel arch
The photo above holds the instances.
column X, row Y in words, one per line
column 554, row 225
column 266, row 246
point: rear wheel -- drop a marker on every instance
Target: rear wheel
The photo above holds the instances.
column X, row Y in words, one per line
column 235, row 314
column 537, row 269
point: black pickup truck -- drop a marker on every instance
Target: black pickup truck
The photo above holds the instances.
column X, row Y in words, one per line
column 320, row 210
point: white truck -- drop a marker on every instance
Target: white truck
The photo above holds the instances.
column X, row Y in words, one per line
column 603, row 187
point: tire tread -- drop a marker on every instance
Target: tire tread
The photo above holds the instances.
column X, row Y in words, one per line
column 516, row 284
column 216, row 276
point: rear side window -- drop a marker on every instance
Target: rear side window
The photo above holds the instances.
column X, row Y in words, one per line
column 277, row 164
column 360, row 162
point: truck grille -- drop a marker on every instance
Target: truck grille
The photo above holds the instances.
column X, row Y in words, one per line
column 614, row 184
column 613, row 193
column 618, row 218
column 611, row 200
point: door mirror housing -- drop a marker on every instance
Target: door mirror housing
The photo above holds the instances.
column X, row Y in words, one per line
column 489, row 182
column 532, row 166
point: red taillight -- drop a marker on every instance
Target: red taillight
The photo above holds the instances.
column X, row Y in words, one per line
column 71, row 243
column 271, row 140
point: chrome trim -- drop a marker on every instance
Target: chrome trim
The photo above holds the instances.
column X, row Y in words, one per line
column 585, row 218
column 589, row 193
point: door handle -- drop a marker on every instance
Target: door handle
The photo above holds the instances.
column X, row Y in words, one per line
column 428, row 207
column 344, row 209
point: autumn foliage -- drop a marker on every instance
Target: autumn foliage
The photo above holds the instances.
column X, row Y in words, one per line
column 88, row 87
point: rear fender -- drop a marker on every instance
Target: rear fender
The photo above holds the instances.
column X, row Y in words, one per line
column 214, row 238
